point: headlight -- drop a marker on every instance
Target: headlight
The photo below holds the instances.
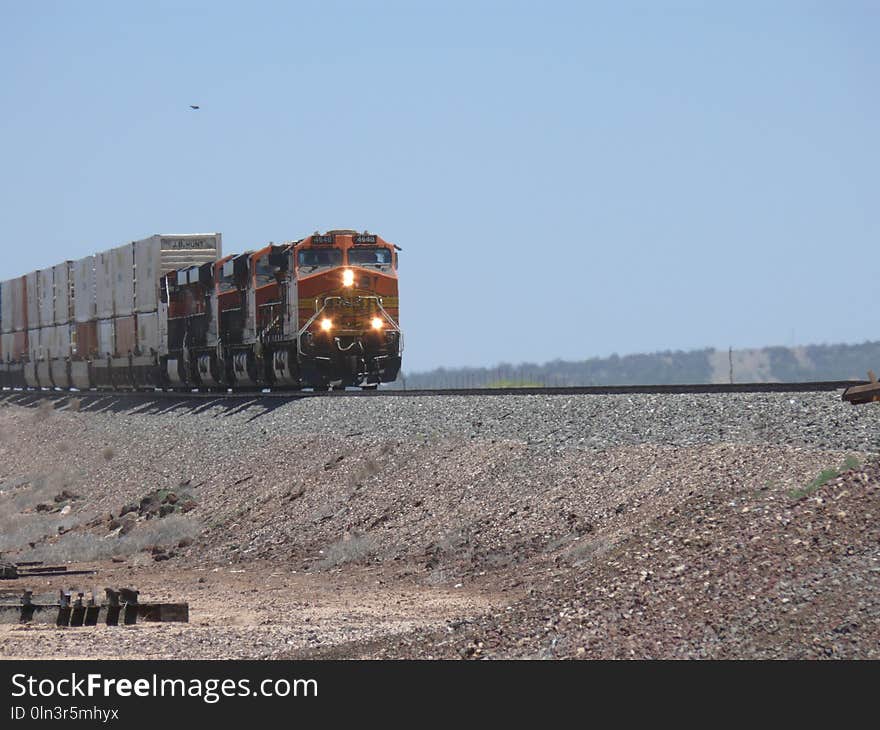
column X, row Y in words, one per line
column 347, row 277
column 326, row 324
column 377, row 323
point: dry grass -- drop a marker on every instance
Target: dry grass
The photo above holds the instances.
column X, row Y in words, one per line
column 350, row 549
column 453, row 541
column 28, row 492
column 587, row 549
column 438, row 577
column 44, row 410
column 80, row 547
column 18, row 531
column 371, row 467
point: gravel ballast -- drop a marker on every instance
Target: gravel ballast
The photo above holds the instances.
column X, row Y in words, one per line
column 500, row 512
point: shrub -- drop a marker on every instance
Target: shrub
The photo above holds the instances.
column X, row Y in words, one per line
column 825, row 476
column 81, row 546
column 17, row 531
column 351, row 548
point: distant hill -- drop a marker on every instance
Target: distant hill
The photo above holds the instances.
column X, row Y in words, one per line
column 768, row 364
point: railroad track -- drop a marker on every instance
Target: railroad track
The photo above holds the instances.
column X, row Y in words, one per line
column 24, row 396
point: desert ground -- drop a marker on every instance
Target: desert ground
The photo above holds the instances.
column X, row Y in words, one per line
column 625, row 526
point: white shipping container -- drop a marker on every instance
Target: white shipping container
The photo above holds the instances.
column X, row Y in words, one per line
column 161, row 253
column 6, row 307
column 62, row 292
column 106, row 338
column 30, row 374
column 34, row 344
column 19, row 307
column 148, row 333
column 7, row 345
column 58, row 371
column 50, row 342
column 147, row 270
column 84, row 303
column 104, row 284
column 188, row 249
column 122, row 269
column 163, row 328
column 33, row 299
column 46, row 296
column 60, row 344
column 47, row 341
column 44, row 375
column 79, row 375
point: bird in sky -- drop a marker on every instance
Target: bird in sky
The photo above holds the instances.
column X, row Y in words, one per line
column 193, row 106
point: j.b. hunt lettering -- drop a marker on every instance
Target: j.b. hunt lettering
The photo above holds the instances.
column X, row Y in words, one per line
column 63, row 713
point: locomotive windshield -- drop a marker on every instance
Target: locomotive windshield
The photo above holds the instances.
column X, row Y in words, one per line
column 226, row 283
column 312, row 259
column 226, row 276
column 369, row 256
column 265, row 272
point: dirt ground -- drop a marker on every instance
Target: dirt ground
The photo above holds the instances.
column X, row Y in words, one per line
column 262, row 611
column 433, row 528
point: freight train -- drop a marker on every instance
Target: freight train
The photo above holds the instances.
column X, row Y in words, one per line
column 171, row 311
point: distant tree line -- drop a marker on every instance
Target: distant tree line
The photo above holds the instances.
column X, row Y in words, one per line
column 824, row 362
column 812, row 362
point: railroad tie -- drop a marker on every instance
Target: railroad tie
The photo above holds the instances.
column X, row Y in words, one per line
column 81, row 610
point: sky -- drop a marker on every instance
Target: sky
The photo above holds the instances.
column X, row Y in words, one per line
column 566, row 180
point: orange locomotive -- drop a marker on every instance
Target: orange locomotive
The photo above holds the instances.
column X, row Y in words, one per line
column 319, row 312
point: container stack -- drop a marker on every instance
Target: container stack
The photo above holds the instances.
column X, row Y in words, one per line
column 99, row 311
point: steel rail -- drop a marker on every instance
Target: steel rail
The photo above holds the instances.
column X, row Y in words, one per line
column 291, row 394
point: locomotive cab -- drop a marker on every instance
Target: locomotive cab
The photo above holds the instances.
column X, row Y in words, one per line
column 349, row 332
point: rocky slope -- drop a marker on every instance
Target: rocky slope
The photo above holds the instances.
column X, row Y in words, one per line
column 587, row 526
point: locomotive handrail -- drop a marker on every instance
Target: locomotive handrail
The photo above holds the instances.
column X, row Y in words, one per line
column 394, row 325
column 377, row 299
column 308, row 324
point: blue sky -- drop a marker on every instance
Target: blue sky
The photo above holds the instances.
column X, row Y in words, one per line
column 566, row 179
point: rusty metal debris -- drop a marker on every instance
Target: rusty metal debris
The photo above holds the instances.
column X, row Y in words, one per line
column 34, row 568
column 121, row 606
column 865, row 393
